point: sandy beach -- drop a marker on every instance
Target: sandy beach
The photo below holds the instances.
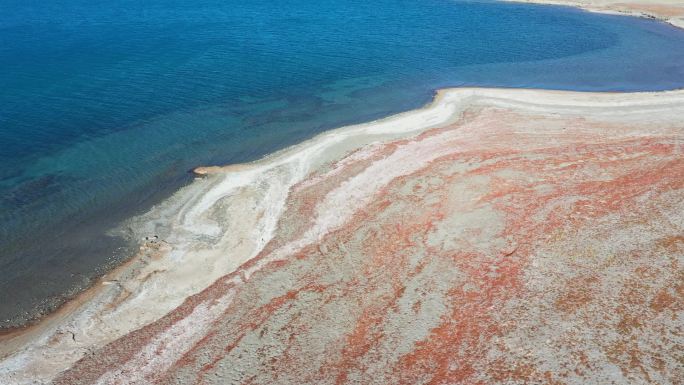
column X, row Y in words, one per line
column 469, row 241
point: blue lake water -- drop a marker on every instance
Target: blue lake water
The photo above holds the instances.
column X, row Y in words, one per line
column 106, row 105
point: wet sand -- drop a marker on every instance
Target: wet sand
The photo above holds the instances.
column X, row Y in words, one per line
column 492, row 236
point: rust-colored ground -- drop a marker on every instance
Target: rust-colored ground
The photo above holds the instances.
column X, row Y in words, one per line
column 511, row 247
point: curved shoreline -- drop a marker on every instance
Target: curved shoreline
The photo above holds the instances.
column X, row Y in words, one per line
column 205, row 243
column 94, row 276
column 196, row 230
column 75, row 314
column 665, row 11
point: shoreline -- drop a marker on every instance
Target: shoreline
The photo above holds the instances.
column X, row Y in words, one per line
column 106, row 290
column 664, row 11
column 199, row 233
column 572, row 3
column 196, row 231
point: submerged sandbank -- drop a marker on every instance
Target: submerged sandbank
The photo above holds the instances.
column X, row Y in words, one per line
column 238, row 232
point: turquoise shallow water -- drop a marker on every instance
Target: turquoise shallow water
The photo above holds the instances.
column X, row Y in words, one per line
column 106, row 105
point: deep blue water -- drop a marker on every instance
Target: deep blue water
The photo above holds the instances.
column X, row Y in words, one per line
column 106, row 105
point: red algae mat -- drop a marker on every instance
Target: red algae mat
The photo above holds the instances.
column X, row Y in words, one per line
column 511, row 246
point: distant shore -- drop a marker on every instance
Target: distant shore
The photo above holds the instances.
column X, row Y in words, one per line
column 669, row 11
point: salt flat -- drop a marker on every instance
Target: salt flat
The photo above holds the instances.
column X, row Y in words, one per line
column 493, row 236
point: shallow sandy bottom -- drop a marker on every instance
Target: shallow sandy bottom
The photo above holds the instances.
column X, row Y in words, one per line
column 495, row 236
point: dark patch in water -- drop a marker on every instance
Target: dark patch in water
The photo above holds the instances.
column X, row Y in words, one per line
column 34, row 190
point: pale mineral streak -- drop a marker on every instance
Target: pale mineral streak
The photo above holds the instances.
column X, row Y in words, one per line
column 492, row 237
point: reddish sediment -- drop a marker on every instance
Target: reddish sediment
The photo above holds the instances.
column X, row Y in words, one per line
column 509, row 247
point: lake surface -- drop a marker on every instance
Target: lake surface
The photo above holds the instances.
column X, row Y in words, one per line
column 106, row 105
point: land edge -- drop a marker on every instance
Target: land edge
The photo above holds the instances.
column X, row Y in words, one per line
column 618, row 8
column 15, row 341
column 203, row 171
column 147, row 248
